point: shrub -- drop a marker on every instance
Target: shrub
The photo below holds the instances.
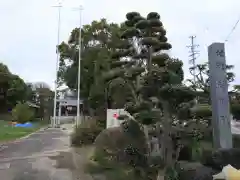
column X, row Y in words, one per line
column 86, row 133
column 120, row 153
column 22, row 113
column 119, row 145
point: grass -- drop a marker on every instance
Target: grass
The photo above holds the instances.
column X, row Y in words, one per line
column 8, row 132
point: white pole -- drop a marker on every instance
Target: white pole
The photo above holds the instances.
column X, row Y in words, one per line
column 79, row 66
column 59, row 114
column 57, row 63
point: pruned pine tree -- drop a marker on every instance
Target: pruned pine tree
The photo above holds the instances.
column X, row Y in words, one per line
column 155, row 82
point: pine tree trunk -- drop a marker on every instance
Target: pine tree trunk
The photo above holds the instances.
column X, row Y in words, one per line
column 149, row 62
column 147, row 139
column 167, row 145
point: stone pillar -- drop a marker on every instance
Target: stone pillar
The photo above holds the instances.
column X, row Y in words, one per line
column 222, row 135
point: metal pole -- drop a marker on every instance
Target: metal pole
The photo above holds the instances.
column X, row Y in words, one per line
column 59, row 113
column 57, row 63
column 79, row 66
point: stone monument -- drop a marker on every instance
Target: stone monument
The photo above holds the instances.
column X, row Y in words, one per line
column 222, row 135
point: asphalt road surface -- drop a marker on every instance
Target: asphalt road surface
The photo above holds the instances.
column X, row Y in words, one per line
column 235, row 127
column 28, row 159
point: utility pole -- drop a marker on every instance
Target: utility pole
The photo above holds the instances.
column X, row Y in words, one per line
column 79, row 118
column 193, row 55
column 55, row 122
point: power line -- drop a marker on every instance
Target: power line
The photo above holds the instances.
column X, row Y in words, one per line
column 193, row 55
column 233, row 29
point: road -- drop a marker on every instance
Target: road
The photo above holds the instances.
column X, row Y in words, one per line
column 30, row 158
column 235, row 127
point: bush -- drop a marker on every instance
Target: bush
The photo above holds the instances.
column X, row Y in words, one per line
column 194, row 170
column 119, row 145
column 222, row 157
column 86, row 133
column 120, row 153
column 22, row 113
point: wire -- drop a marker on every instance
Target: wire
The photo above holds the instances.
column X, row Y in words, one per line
column 232, row 30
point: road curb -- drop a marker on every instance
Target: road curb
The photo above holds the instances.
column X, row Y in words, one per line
column 4, row 144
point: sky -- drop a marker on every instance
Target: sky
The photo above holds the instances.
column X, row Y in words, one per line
column 28, row 30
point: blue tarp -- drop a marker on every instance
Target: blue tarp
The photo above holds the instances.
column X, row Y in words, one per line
column 28, row 124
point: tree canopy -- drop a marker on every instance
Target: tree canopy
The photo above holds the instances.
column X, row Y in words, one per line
column 41, row 95
column 13, row 91
column 98, row 39
column 13, row 88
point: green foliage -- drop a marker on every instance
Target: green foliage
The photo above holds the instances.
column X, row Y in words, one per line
column 120, row 151
column 235, row 109
column 12, row 89
column 16, row 91
column 98, row 39
column 45, row 97
column 202, row 77
column 115, row 171
column 202, row 111
column 235, row 101
column 121, row 145
column 4, row 72
column 158, row 76
column 171, row 174
column 22, row 113
column 41, row 95
column 86, row 133
column 197, row 150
